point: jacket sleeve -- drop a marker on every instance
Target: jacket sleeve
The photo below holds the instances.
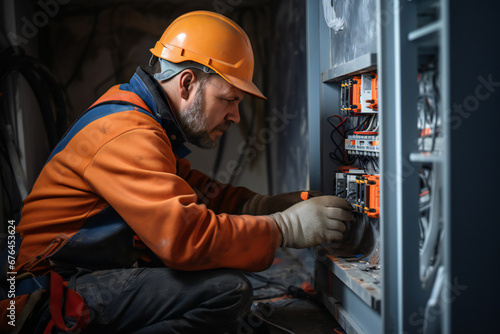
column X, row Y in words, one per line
column 136, row 174
column 219, row 197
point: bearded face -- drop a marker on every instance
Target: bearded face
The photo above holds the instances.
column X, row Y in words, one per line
column 197, row 124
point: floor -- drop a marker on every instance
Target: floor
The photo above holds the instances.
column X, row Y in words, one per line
column 284, row 301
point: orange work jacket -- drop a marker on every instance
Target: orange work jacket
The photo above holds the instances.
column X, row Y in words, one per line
column 117, row 182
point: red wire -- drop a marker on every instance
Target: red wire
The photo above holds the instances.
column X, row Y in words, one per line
column 424, row 193
column 336, row 331
column 342, row 120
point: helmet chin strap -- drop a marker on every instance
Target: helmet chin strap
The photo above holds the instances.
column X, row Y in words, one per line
column 151, row 63
column 170, row 69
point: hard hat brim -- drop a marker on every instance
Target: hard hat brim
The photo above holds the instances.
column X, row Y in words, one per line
column 246, row 86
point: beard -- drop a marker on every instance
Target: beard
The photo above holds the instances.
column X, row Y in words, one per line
column 195, row 124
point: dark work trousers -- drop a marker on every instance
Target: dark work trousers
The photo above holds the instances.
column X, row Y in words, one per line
column 163, row 300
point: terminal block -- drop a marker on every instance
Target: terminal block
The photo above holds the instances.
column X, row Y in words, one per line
column 368, row 145
column 350, row 95
column 359, row 94
column 369, row 93
column 347, row 186
column 341, row 185
column 361, row 190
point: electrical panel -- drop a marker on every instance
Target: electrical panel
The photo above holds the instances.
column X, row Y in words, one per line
column 350, row 151
column 355, row 143
column 404, row 177
column 357, row 95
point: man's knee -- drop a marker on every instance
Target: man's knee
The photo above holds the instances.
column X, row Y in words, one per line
column 237, row 288
column 243, row 287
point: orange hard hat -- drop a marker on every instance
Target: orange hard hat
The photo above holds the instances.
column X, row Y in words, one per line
column 212, row 40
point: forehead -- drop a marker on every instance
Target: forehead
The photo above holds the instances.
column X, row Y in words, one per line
column 221, row 87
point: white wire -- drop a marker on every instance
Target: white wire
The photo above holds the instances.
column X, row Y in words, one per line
column 332, row 21
column 370, row 124
column 273, row 324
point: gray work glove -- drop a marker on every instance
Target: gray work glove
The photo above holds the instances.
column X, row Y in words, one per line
column 314, row 221
column 261, row 205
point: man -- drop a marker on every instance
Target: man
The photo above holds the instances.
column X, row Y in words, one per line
column 151, row 245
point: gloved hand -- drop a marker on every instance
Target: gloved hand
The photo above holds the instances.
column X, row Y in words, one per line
column 314, row 221
column 261, row 205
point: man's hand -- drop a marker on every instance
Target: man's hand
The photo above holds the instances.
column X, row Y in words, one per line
column 261, row 205
column 314, row 221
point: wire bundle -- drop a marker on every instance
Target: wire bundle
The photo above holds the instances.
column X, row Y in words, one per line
column 427, row 106
column 347, row 126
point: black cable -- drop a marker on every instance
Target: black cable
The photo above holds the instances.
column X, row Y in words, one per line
column 336, row 126
column 349, row 194
column 362, row 163
column 338, row 148
column 355, row 127
column 372, row 165
column 424, row 177
column 425, row 207
column 45, row 88
column 375, row 163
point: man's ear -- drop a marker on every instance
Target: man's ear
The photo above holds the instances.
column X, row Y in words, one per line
column 186, row 81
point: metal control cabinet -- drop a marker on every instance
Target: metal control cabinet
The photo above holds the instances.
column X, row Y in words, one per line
column 429, row 281
column 352, row 295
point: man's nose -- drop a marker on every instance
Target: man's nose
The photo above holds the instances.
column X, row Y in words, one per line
column 234, row 114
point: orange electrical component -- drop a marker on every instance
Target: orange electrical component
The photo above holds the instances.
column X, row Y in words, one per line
column 372, row 208
column 426, row 132
column 356, row 94
column 374, row 101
